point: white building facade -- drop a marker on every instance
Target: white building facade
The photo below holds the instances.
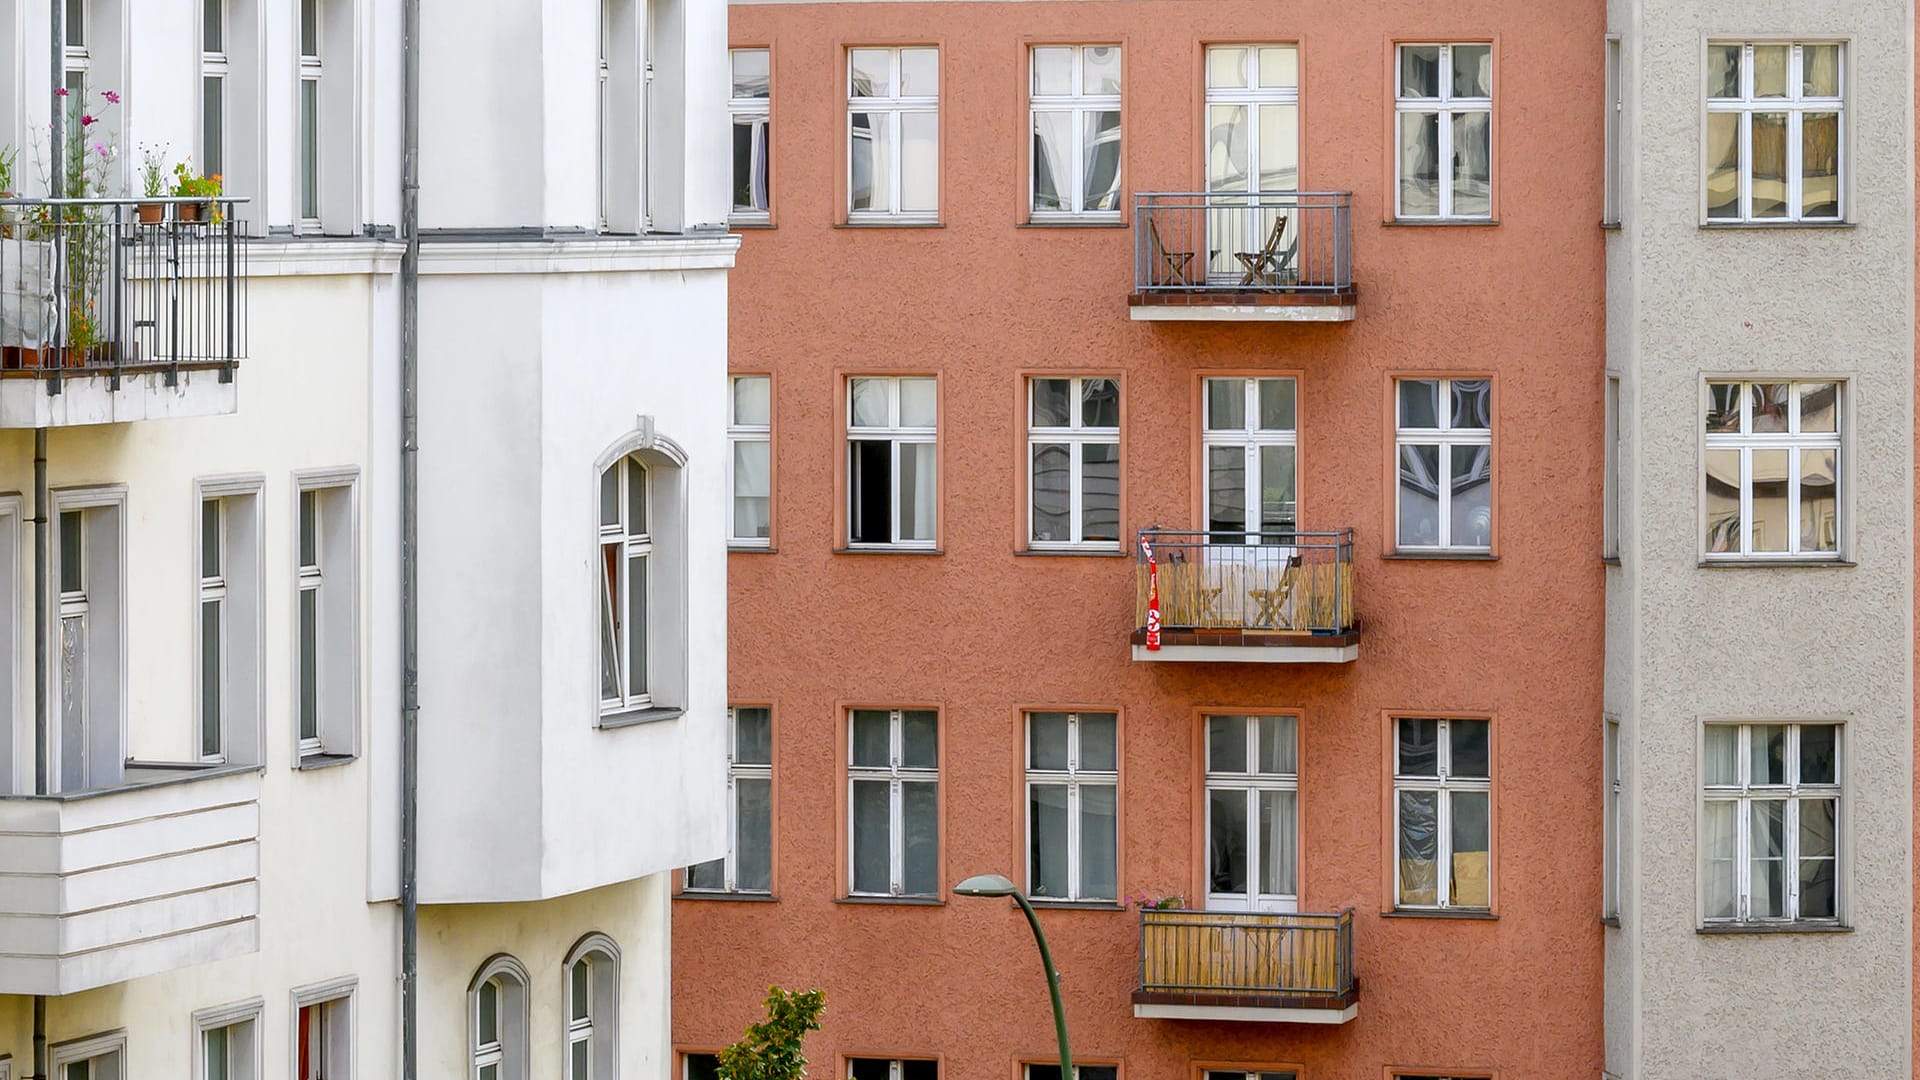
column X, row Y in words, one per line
column 200, row 812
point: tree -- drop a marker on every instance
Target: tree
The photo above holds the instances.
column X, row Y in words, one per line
column 770, row 1050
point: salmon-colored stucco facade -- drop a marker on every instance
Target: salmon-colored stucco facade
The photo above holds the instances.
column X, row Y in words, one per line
column 984, row 631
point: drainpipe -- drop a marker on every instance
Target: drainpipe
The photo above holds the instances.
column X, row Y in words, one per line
column 409, row 541
column 42, row 598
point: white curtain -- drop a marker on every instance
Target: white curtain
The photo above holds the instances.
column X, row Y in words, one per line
column 751, row 488
column 1278, row 842
column 917, row 494
column 1717, row 853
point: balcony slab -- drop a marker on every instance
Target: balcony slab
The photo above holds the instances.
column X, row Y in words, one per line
column 88, row 396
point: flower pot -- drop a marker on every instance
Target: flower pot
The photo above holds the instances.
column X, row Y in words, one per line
column 190, row 211
column 151, row 213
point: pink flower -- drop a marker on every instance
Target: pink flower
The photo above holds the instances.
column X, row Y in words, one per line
column 111, row 96
column 88, row 120
column 101, row 149
column 62, row 92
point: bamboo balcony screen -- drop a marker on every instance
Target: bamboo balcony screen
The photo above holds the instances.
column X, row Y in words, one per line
column 1247, row 953
column 1219, row 581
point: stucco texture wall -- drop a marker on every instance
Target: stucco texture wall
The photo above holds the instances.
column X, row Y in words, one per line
column 983, row 632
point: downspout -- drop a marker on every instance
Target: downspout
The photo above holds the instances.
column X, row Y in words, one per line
column 409, row 541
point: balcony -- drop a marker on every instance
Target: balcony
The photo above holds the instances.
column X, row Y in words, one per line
column 1270, row 256
column 1274, row 598
column 1257, row 966
column 116, row 310
column 156, row 874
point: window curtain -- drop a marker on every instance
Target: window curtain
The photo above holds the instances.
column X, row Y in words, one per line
column 1279, row 811
column 751, row 489
column 1717, row 854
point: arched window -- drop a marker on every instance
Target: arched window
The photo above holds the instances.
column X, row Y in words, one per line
column 497, row 1020
column 640, row 567
column 592, row 1008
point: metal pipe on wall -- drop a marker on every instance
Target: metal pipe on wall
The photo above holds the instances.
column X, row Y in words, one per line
column 409, row 538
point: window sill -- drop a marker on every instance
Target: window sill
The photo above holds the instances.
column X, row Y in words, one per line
column 888, row 551
column 1076, row 223
column 1440, row 913
column 892, row 901
column 1422, row 223
column 727, row 897
column 1074, row 905
column 748, row 224
column 751, row 549
column 1736, row 226
column 632, row 717
column 1442, row 556
column 317, row 761
column 1776, row 564
column 901, row 223
column 1084, row 553
column 1775, row 928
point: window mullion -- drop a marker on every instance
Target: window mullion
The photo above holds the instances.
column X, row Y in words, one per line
column 1746, row 502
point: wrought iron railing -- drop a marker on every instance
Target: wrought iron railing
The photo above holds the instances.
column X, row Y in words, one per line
column 112, row 286
column 1243, row 242
column 1291, row 955
column 1300, row 582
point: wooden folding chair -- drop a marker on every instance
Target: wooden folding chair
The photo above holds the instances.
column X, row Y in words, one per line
column 1264, row 265
column 1172, row 264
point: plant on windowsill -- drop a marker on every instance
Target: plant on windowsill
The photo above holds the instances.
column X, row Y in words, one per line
column 770, row 1050
column 73, row 236
column 188, row 185
column 1146, row 901
column 153, row 184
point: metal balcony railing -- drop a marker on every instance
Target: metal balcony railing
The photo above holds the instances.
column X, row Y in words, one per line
column 112, row 286
column 1247, row 953
column 1299, row 582
column 1272, row 242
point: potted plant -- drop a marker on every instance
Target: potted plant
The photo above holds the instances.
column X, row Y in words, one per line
column 187, row 185
column 153, row 184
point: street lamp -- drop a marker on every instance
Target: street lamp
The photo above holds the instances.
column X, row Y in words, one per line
column 997, row 885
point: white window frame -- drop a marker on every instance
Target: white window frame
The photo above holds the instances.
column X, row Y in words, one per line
column 1074, row 778
column 599, row 1029
column 244, row 1050
column 508, row 1054
column 896, row 1067
column 1614, row 131
column 889, row 110
column 1252, row 782
column 1077, row 436
column 1446, row 437
column 752, row 109
column 1027, row 1067
column 311, row 69
column 91, row 1050
column 1252, row 95
column 106, row 645
column 1612, row 820
column 213, row 590
column 632, row 546
column 238, row 590
column 1080, row 104
column 214, row 66
column 1447, row 106
column 736, row 772
column 603, row 110
column 895, row 775
column 896, row 434
column 333, row 1023
column 1793, row 441
column 1251, row 438
column 334, row 581
column 1795, row 105
column 1615, row 495
column 1247, row 1074
column 1745, row 792
column 686, row 1061
column 1447, row 785
column 77, row 59
column 738, row 433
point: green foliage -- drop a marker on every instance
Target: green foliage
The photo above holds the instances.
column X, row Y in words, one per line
column 8, row 155
column 770, row 1050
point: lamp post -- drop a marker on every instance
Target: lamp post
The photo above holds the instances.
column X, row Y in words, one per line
column 997, row 885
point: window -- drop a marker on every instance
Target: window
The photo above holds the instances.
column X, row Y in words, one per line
column 892, row 428
column 1770, row 824
column 751, row 108
column 100, row 1057
column 1772, row 479
column 747, row 866
column 1253, row 796
column 78, row 60
column 323, row 1030
column 593, row 1008
column 1445, row 112
column 1253, row 147
column 1257, row 1074
column 893, row 133
column 227, row 676
column 1073, row 454
column 1445, row 449
column 626, row 547
column 893, row 779
column 311, row 70
column 1073, row 780
column 701, row 1067
column 1437, row 1076
column 1610, row 525
column 1610, row 883
column 227, row 1042
column 603, row 135
column 1037, row 1071
column 1615, row 126
column 882, row 1069
column 1442, row 795
column 497, row 1021
column 1774, row 131
column 326, row 635
column 213, row 82
column 1252, row 451
column 89, row 681
column 750, row 434
column 1075, row 107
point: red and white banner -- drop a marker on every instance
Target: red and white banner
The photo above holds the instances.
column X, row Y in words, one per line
column 1153, row 597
